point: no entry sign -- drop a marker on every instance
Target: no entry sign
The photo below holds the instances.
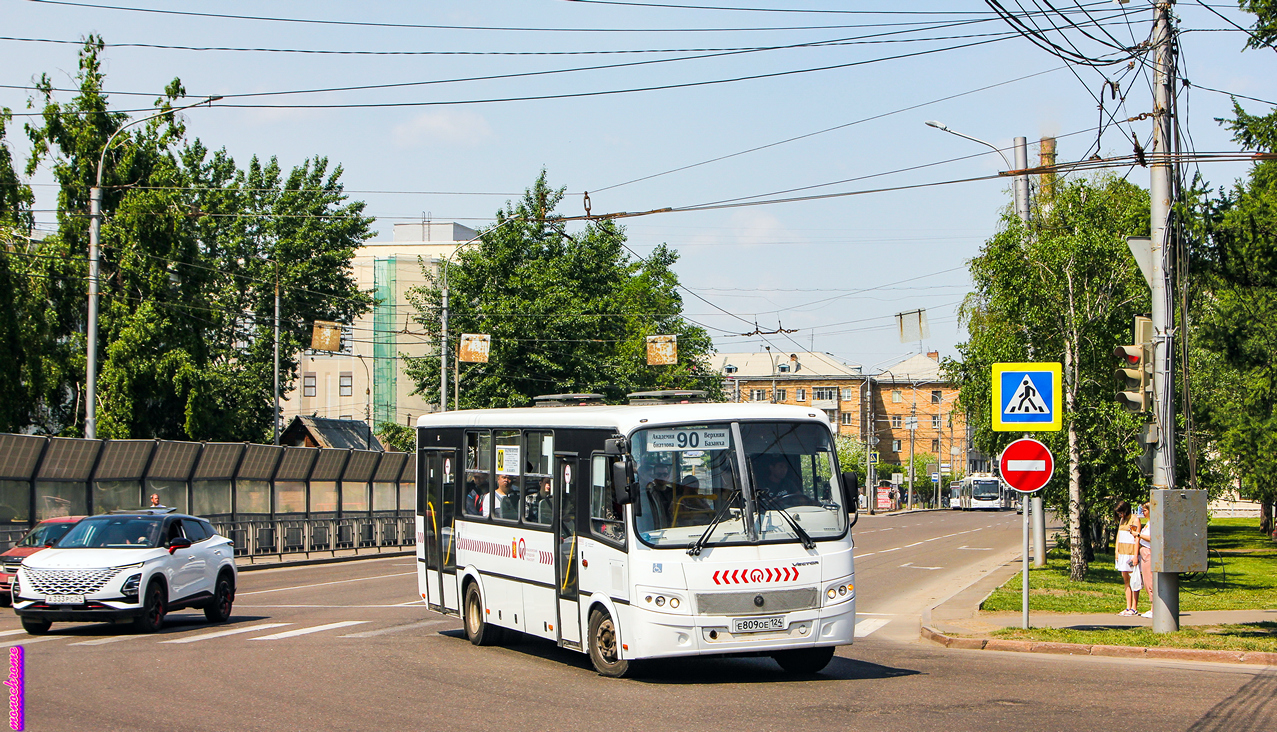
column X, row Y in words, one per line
column 1026, row 465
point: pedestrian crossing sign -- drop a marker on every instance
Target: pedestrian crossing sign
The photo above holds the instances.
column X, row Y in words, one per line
column 1026, row 397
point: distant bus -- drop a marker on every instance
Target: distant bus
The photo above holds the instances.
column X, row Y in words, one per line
column 980, row 491
column 633, row 532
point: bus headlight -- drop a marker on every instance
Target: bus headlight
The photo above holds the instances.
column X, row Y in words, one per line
column 841, row 591
column 665, row 601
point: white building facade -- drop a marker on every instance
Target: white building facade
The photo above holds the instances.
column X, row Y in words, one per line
column 366, row 379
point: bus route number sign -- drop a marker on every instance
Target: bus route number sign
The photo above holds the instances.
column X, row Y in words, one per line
column 688, row 439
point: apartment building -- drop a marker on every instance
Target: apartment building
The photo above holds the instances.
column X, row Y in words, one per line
column 805, row 378
column 913, row 392
column 366, row 379
column 862, row 406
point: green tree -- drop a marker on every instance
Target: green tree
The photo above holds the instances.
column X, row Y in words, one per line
column 192, row 248
column 1063, row 289
column 566, row 312
column 15, row 255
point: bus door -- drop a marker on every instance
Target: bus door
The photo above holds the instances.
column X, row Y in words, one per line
column 436, row 513
column 565, row 563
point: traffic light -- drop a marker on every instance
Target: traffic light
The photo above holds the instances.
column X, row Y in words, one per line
column 1135, row 369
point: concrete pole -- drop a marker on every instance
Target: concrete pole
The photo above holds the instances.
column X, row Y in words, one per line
column 275, row 416
column 91, row 364
column 1165, row 584
column 1022, row 180
column 913, row 420
column 443, row 351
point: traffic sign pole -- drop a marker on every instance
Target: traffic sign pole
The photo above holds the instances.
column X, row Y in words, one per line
column 1026, row 465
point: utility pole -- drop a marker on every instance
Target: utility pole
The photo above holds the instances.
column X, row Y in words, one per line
column 1038, row 515
column 275, row 416
column 1165, row 593
column 913, row 429
column 443, row 348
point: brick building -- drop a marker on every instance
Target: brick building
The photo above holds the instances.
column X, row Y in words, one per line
column 816, row 380
column 861, row 405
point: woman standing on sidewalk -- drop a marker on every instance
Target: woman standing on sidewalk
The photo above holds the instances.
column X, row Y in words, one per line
column 1146, row 562
column 1126, row 555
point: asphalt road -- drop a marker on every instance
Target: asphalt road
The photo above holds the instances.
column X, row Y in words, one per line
column 345, row 646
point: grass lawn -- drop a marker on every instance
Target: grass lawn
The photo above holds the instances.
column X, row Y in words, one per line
column 1242, row 576
column 1242, row 637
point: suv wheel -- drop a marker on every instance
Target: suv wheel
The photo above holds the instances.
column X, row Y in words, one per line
column 152, row 617
column 219, row 609
column 36, row 626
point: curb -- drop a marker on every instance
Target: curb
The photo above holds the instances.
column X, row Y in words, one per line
column 324, row 560
column 1260, row 658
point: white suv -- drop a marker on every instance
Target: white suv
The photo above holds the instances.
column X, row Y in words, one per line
column 137, row 565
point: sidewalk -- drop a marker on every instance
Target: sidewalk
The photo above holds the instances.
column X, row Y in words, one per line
column 960, row 615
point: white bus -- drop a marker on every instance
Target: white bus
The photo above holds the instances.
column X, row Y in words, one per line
column 980, row 491
column 633, row 532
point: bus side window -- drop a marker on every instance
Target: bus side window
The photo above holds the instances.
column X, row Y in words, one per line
column 606, row 517
column 478, row 473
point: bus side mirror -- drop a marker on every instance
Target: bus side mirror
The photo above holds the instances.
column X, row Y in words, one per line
column 851, row 490
column 615, row 446
column 624, row 484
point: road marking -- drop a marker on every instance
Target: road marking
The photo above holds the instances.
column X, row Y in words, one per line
column 912, row 566
column 25, row 641
column 884, row 615
column 977, row 548
column 104, row 641
column 319, row 606
column 304, row 631
column 322, row 584
column 870, row 554
column 916, row 543
column 11, row 632
column 865, row 627
column 223, row 633
column 395, row 629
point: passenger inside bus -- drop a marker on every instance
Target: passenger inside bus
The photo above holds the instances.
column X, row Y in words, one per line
column 476, row 492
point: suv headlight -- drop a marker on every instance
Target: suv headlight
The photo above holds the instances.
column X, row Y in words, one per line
column 130, row 586
column 16, row 588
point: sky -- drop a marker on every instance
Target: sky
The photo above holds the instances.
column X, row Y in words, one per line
column 745, row 102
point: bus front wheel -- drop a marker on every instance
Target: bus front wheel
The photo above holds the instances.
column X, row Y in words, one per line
column 478, row 630
column 805, row 660
column 605, row 653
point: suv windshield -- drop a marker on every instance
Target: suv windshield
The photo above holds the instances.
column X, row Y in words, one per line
column 114, row 532
column 46, row 534
column 690, row 477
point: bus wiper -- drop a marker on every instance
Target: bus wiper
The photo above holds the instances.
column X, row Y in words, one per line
column 765, row 498
column 694, row 549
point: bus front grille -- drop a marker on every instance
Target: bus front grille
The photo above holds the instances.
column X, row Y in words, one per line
column 746, row 603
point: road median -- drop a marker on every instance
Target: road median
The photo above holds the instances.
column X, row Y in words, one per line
column 1196, row 655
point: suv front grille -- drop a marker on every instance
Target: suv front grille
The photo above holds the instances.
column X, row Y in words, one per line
column 12, row 568
column 743, row 603
column 68, row 581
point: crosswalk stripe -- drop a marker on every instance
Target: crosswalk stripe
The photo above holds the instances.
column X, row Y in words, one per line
column 103, row 641
column 869, row 625
column 222, row 633
column 395, row 629
column 25, row 641
column 304, row 631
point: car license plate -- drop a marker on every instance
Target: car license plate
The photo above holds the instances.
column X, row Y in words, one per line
column 64, row 599
column 758, row 625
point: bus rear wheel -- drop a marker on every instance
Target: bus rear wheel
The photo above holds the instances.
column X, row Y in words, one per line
column 478, row 630
column 805, row 660
column 605, row 652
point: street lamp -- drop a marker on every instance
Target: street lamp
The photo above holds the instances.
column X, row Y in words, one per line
column 95, row 228
column 1021, row 162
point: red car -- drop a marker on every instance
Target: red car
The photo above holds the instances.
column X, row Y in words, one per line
column 45, row 534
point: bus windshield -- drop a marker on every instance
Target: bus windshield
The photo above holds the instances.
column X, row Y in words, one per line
column 985, row 490
column 691, row 477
